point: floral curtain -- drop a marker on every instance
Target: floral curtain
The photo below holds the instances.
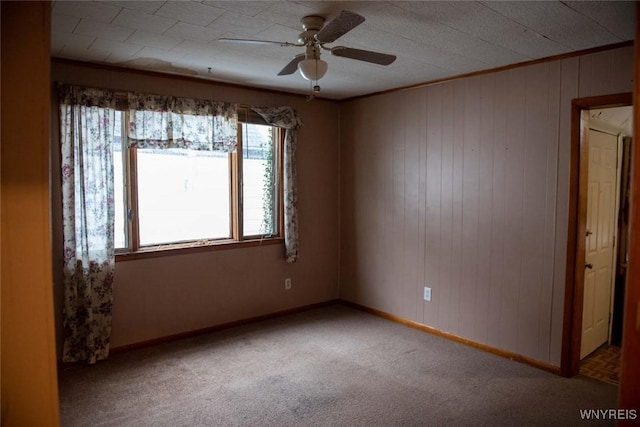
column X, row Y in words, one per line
column 86, row 135
column 170, row 122
column 287, row 118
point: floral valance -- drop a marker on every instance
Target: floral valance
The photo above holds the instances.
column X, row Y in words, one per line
column 284, row 117
column 86, row 97
column 157, row 121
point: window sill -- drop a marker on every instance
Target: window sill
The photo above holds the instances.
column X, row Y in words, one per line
column 194, row 247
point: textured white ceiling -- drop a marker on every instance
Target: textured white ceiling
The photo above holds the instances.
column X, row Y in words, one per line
column 432, row 40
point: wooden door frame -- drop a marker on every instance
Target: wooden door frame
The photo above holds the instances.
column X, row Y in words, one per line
column 574, row 279
column 630, row 369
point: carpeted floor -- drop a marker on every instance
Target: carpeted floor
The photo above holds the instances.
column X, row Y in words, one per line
column 603, row 364
column 334, row 366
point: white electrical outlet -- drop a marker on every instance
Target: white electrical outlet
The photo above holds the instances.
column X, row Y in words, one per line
column 287, row 283
column 427, row 294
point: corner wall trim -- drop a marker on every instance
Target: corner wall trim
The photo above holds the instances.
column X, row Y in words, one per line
column 495, row 69
column 487, row 348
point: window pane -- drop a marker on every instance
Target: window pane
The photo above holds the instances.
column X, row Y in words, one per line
column 119, row 185
column 258, row 184
column 183, row 195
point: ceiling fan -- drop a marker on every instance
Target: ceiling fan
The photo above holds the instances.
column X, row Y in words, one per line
column 314, row 37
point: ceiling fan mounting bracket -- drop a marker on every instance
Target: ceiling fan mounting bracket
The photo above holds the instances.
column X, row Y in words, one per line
column 312, row 23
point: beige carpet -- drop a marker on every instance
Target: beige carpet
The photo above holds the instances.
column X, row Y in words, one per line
column 333, row 366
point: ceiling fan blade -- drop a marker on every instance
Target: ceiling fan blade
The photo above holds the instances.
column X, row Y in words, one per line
column 292, row 66
column 261, row 42
column 340, row 25
column 363, row 55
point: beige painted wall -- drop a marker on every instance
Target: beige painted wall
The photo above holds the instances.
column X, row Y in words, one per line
column 163, row 296
column 463, row 186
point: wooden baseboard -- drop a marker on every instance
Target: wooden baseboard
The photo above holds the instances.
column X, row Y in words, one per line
column 484, row 347
column 216, row 328
column 489, row 349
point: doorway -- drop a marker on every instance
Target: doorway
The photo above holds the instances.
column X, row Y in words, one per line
column 596, row 257
column 609, row 134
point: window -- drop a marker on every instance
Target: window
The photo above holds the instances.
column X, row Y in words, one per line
column 259, row 188
column 175, row 197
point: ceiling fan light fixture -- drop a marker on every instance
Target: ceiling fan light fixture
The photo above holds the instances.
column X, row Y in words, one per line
column 312, row 69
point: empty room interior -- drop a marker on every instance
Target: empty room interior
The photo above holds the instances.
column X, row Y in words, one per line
column 319, row 213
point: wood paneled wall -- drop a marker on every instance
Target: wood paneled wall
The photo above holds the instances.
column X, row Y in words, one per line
column 29, row 394
column 463, row 186
column 630, row 369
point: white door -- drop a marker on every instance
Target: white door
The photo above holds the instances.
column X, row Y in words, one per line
column 601, row 214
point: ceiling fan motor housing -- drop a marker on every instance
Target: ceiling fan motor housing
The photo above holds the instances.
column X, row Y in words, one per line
column 313, row 51
column 311, row 25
